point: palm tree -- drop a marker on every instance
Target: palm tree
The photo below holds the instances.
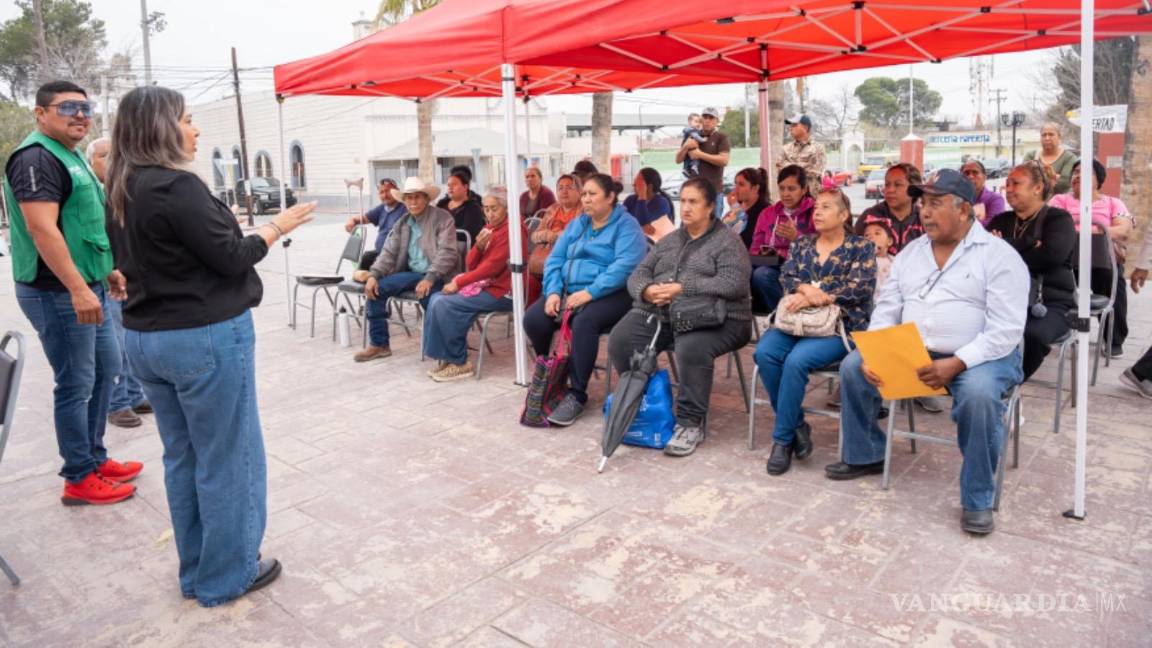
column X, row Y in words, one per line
column 391, row 12
column 602, row 130
column 776, row 100
column 1138, row 165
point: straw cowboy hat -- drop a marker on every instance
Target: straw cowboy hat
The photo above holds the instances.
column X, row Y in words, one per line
column 416, row 185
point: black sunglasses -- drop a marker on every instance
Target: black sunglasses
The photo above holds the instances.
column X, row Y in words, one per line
column 71, row 108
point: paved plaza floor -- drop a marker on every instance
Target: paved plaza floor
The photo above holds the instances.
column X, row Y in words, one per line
column 411, row 513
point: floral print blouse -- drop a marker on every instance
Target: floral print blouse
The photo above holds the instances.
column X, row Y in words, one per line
column 848, row 275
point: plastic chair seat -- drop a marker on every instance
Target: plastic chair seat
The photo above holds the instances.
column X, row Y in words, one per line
column 319, row 280
column 350, row 286
column 1098, row 302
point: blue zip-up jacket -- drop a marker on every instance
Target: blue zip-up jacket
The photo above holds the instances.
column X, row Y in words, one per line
column 598, row 262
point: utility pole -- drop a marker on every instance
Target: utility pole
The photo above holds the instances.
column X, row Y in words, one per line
column 999, row 95
column 45, row 71
column 243, row 142
column 911, row 102
column 105, row 116
column 145, row 27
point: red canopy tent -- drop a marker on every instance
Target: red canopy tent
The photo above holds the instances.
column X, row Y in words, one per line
column 513, row 48
column 579, row 46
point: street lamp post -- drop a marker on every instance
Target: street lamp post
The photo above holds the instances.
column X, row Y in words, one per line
column 1015, row 119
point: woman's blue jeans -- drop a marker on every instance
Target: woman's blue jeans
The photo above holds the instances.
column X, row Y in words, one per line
column 202, row 384
column 126, row 393
column 785, row 362
column 448, row 318
column 766, row 289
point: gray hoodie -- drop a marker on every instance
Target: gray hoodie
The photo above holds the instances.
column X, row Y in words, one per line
column 437, row 240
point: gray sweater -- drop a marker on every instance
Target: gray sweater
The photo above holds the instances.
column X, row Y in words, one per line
column 716, row 265
column 437, row 241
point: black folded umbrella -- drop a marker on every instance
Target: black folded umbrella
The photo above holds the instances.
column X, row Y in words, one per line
column 628, row 396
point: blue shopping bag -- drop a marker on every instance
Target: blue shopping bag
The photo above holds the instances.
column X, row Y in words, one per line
column 656, row 418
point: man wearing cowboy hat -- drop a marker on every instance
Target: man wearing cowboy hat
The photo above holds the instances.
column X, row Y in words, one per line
column 420, row 254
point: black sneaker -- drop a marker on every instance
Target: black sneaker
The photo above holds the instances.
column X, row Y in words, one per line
column 803, row 443
column 266, row 572
column 780, row 460
column 566, row 412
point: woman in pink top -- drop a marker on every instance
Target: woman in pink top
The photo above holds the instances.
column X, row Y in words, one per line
column 1111, row 217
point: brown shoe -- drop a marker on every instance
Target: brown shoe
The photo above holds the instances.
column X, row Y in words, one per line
column 372, row 353
column 124, row 418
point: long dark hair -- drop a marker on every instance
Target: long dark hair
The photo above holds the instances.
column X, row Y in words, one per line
column 758, row 178
column 146, row 133
column 607, row 185
column 652, row 178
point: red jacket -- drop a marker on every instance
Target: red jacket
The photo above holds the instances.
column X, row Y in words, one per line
column 492, row 263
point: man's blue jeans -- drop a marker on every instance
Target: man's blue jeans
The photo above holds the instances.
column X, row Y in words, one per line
column 978, row 409
column 202, row 383
column 376, row 310
column 448, row 318
column 127, row 392
column 784, row 361
column 766, row 289
column 85, row 360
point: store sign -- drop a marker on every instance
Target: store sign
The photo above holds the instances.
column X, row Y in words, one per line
column 1105, row 119
column 958, row 139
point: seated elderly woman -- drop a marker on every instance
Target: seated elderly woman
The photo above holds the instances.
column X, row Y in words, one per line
column 484, row 288
column 988, row 202
column 585, row 276
column 1045, row 237
column 831, row 268
column 563, row 211
column 700, row 267
column 776, row 229
column 1109, row 216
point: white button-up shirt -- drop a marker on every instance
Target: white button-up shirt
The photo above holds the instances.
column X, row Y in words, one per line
column 974, row 307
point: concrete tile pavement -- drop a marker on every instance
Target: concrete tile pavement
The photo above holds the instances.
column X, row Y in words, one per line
column 410, row 513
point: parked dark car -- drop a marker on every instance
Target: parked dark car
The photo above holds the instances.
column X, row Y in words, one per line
column 265, row 195
column 998, row 168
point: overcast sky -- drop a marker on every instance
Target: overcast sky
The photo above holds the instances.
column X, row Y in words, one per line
column 192, row 54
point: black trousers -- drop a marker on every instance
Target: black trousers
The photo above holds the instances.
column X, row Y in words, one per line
column 595, row 318
column 696, row 354
column 1101, row 283
column 1039, row 334
column 1143, row 366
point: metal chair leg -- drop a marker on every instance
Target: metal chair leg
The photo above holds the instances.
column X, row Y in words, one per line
column 752, row 407
column 12, row 577
column 886, row 479
column 483, row 343
column 911, row 421
column 735, row 357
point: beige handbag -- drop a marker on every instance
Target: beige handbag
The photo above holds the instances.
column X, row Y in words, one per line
column 813, row 321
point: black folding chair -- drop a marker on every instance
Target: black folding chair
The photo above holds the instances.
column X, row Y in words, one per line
column 10, row 369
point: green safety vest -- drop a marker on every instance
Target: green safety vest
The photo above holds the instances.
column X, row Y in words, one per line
column 81, row 218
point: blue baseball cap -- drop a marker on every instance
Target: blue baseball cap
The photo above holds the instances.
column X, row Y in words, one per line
column 946, row 181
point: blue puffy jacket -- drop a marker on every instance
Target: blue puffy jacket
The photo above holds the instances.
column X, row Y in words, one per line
column 599, row 261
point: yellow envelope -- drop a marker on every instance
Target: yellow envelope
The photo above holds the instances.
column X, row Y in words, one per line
column 894, row 354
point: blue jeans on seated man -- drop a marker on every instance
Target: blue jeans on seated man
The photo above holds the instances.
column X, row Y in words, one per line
column 766, row 289
column 127, row 392
column 978, row 409
column 202, row 383
column 376, row 310
column 784, row 362
column 85, row 360
column 448, row 318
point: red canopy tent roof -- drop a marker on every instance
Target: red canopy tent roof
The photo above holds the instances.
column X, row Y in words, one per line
column 580, row 46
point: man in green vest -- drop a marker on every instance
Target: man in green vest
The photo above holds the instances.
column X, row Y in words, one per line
column 61, row 261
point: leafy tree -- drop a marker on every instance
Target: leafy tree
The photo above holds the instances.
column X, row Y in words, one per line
column 733, row 126
column 73, row 42
column 16, row 122
column 884, row 102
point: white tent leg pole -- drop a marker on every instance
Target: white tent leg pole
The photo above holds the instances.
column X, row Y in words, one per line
column 528, row 130
column 512, row 181
column 765, row 135
column 1087, row 92
column 284, row 205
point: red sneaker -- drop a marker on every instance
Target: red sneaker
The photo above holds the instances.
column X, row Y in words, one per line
column 95, row 489
column 121, row 472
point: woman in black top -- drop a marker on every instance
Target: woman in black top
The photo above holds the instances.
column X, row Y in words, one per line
column 1045, row 237
column 463, row 203
column 751, row 187
column 190, row 341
